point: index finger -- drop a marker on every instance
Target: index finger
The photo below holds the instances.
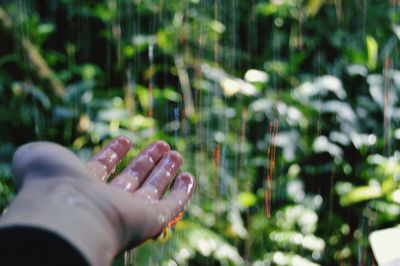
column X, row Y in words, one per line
column 103, row 163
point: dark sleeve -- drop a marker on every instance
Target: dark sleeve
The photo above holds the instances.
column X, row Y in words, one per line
column 20, row 245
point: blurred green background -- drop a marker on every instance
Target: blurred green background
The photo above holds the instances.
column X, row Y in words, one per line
column 287, row 112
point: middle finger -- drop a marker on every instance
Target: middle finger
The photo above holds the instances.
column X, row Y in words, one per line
column 160, row 178
column 137, row 171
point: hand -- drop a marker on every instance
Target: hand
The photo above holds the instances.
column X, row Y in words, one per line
column 59, row 192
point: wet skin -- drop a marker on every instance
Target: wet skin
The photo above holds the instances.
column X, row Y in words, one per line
column 61, row 193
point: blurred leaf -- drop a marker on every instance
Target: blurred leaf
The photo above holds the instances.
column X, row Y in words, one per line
column 279, row 67
column 313, row 6
column 165, row 39
column 171, row 94
column 280, row 7
column 5, row 170
column 104, row 13
column 286, row 238
column 395, row 196
column 217, row 26
column 343, row 188
column 129, row 51
column 89, row 71
column 359, row 194
column 267, row 9
column 138, row 122
column 112, row 114
column 80, row 142
column 237, row 228
column 390, row 210
column 256, row 76
column 230, row 86
column 372, row 51
column 80, row 91
column 36, row 93
column 144, row 97
column 389, row 185
column 247, row 199
column 208, row 243
column 284, row 258
column 46, row 28
column 396, row 30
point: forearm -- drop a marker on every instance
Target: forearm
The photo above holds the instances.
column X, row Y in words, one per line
column 59, row 207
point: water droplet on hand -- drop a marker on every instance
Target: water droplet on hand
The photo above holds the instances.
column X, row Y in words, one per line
column 161, row 218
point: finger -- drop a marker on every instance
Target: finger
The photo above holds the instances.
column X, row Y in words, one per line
column 103, row 163
column 155, row 216
column 137, row 171
column 180, row 194
column 175, row 203
column 160, row 178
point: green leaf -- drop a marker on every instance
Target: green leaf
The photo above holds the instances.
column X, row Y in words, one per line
column 129, row 51
column 104, row 13
column 138, row 122
column 372, row 52
column 360, row 194
column 217, row 26
column 388, row 185
column 25, row 88
column 313, row 6
column 144, row 97
column 46, row 28
column 247, row 199
column 392, row 210
column 89, row 71
column 281, row 8
column 165, row 39
column 171, row 95
column 267, row 9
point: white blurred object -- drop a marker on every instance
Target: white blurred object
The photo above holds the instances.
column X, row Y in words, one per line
column 386, row 246
column 321, row 86
column 230, row 85
column 254, row 75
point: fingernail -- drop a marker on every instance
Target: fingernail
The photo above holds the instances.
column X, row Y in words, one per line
column 125, row 139
column 187, row 181
column 176, row 157
column 120, row 146
column 162, row 145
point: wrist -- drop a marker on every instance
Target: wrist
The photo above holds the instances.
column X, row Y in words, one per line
column 63, row 207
